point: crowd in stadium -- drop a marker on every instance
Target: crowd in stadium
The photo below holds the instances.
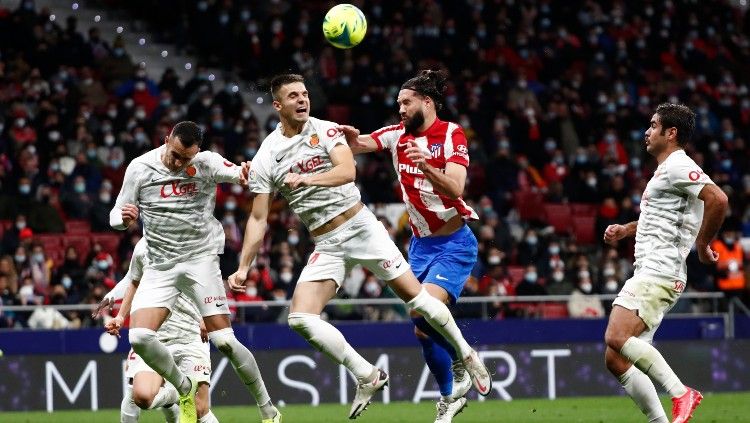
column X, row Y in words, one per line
column 554, row 98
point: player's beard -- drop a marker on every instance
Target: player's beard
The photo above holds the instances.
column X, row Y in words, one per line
column 412, row 124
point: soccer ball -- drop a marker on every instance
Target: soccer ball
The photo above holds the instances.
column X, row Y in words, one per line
column 344, row 26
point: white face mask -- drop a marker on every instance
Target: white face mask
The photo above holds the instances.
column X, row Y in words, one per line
column 611, row 286
column 585, row 287
column 251, row 291
column 285, row 277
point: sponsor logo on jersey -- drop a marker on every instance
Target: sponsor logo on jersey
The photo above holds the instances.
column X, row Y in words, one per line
column 175, row 188
column 461, row 151
column 403, row 167
column 695, row 175
column 313, row 258
column 314, row 140
column 191, row 171
column 306, row 166
column 209, row 300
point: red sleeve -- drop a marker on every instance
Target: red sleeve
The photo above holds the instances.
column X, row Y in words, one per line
column 459, row 153
column 376, row 136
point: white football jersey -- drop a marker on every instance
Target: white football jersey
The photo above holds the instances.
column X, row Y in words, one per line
column 182, row 325
column 306, row 153
column 671, row 216
column 177, row 209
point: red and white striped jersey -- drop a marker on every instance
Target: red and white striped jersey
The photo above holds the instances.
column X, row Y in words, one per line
column 428, row 209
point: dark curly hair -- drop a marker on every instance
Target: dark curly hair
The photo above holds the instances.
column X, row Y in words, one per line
column 429, row 83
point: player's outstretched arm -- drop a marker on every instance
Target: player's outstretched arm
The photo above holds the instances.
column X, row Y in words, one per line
column 342, row 172
column 254, row 233
column 616, row 232
column 357, row 142
column 113, row 326
column 715, row 204
column 222, row 170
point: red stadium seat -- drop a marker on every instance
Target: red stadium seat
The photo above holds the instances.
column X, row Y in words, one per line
column 77, row 227
column 554, row 310
column 559, row 216
column 49, row 241
column 57, row 255
column 529, row 205
column 5, row 224
column 81, row 243
column 338, row 113
column 109, row 242
column 584, row 229
column 583, row 209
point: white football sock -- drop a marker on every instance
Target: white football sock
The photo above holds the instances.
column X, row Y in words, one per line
column 129, row 412
column 172, row 413
column 167, row 395
column 641, row 389
column 208, row 418
column 648, row 360
column 146, row 344
column 441, row 319
column 243, row 362
column 329, row 340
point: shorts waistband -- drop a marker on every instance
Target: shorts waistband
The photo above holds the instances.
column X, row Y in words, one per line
column 433, row 240
column 343, row 226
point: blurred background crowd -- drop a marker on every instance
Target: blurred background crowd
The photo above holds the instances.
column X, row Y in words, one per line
column 554, row 98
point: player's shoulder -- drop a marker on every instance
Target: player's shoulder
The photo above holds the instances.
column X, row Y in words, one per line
column 396, row 129
column 146, row 158
column 679, row 159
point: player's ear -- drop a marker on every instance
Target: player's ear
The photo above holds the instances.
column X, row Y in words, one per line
column 276, row 105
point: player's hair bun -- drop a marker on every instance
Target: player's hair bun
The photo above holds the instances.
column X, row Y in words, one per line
column 431, row 83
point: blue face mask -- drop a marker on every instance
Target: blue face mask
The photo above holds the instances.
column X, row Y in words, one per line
column 530, row 277
column 24, row 189
column 66, row 282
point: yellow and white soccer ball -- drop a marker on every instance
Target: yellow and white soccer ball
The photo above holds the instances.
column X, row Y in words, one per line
column 344, row 26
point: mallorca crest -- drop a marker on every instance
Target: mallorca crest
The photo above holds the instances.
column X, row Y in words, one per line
column 314, row 140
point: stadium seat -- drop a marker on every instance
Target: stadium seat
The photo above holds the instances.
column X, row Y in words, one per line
column 559, row 216
column 5, row 224
column 77, row 227
column 81, row 243
column 583, row 209
column 338, row 113
column 554, row 310
column 584, row 229
column 56, row 254
column 109, row 242
column 529, row 205
column 49, row 241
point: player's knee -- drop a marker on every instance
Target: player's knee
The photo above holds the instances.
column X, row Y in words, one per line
column 142, row 398
column 223, row 340
column 614, row 338
column 140, row 337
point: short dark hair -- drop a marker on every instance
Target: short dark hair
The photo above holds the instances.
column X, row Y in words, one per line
column 677, row 116
column 189, row 133
column 279, row 81
column 430, row 83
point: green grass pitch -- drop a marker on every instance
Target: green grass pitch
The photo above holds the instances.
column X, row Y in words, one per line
column 715, row 408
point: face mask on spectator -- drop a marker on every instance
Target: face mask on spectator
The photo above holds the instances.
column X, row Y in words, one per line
column 79, row 187
column 112, row 113
column 531, row 240
column 286, row 277
column 493, row 260
column 236, row 189
column 591, row 182
column 37, row 257
column 66, row 282
column 584, row 274
column 230, row 205
column 24, row 189
column 20, row 224
column 251, row 291
column 558, row 276
column 115, row 163
column 105, row 197
column 238, row 129
column 20, row 258
column 102, row 264
column 372, row 288
column 585, row 287
column 54, row 136
column 530, row 277
column 611, row 285
column 636, row 199
column 109, row 140
column 293, row 239
column 91, row 153
column 728, row 239
column 228, row 220
column 140, row 114
column 250, row 152
column 554, row 249
column 128, row 103
column 609, row 271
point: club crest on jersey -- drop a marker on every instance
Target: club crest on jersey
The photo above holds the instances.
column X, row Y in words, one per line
column 314, row 140
column 191, row 171
column 175, row 188
column 435, row 150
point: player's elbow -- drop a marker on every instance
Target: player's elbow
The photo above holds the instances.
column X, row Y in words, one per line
column 722, row 201
column 349, row 174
